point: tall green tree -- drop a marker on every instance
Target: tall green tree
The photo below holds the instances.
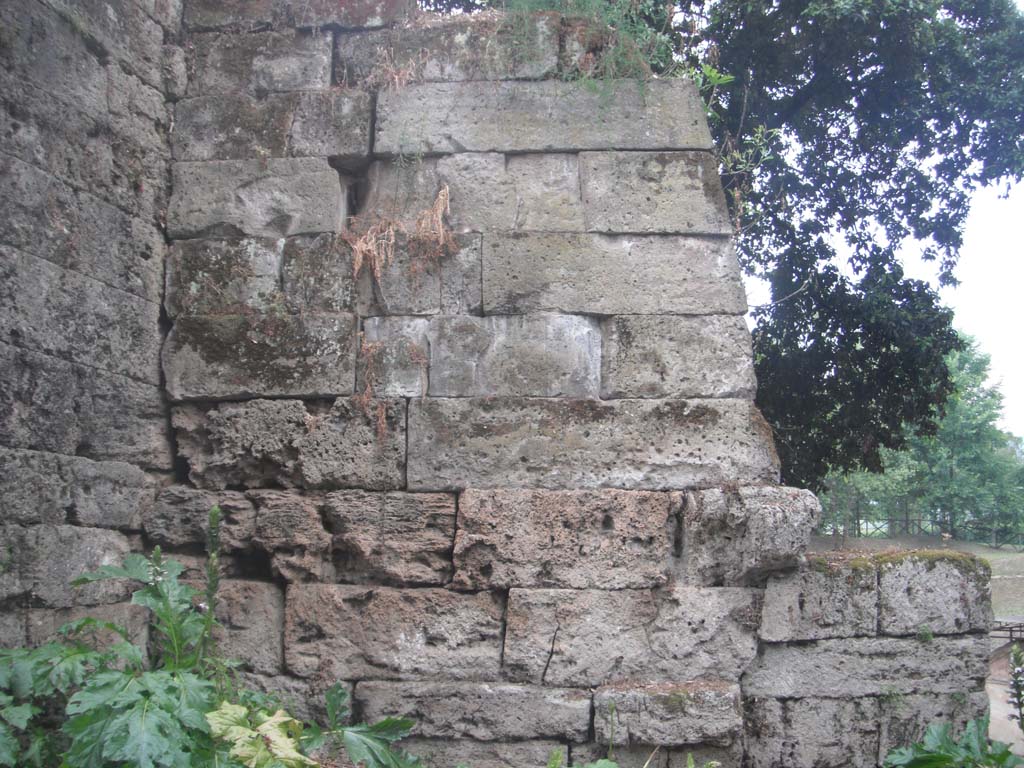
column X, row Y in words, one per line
column 852, row 129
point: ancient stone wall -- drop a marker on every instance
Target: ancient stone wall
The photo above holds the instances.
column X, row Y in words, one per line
column 456, row 341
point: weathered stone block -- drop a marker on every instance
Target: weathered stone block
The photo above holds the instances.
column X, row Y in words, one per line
column 47, row 404
column 301, row 698
column 679, row 634
column 180, row 518
column 350, row 632
column 474, row 117
column 55, row 555
column 304, row 355
column 482, row 711
column 62, row 313
column 869, row 667
column 38, row 487
column 678, row 192
column 394, row 357
column 528, row 538
column 904, row 719
column 824, row 601
column 293, row 444
column 812, row 733
column 676, row 356
column 175, row 66
column 453, row 49
column 399, row 538
column 610, row 275
column 257, row 64
column 267, row 198
column 227, row 126
column 635, row 756
column 12, row 625
column 942, row 593
column 459, row 443
column 743, row 534
column 258, row 14
column 77, row 231
column 289, row 527
column 484, row 754
column 316, row 274
column 334, row 123
column 43, row 624
column 251, row 615
column 670, row 714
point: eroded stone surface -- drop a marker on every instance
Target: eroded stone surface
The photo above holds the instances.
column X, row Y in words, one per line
column 259, row 63
column 483, row 754
column 933, row 592
column 474, row 117
column 679, row 634
column 290, row 529
column 50, row 557
column 529, row 538
column 904, row 719
column 741, row 535
column 251, row 615
column 180, row 518
column 355, row 633
column 473, row 442
column 289, row 443
column 500, row 711
column 821, row 602
column 610, row 275
column 668, row 713
column 245, row 15
column 676, row 356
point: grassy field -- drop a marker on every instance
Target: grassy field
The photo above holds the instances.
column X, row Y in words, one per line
column 1007, row 566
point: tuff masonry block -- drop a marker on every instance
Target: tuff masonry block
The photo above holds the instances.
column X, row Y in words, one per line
column 823, row 601
column 180, row 518
column 259, row 63
column 247, row 15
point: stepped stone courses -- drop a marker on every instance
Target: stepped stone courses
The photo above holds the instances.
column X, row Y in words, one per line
column 496, row 481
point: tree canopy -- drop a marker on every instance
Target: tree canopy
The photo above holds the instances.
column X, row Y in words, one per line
column 850, row 129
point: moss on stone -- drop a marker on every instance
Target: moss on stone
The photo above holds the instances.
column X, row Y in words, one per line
column 969, row 565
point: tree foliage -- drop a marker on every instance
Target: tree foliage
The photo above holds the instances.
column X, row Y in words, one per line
column 851, row 129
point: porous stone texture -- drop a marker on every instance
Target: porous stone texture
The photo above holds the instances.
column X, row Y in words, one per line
column 484, row 754
column 248, row 15
column 933, row 593
column 251, row 616
column 705, row 712
column 821, row 602
column 577, row 539
column 457, row 443
column 181, row 515
column 741, row 535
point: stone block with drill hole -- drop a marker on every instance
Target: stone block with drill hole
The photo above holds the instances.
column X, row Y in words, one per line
column 258, row 64
column 451, row 49
column 294, row 444
column 676, row 356
column 933, row 592
column 457, row 443
column 603, row 539
column 180, row 518
column 675, row 192
column 500, row 711
column 869, row 666
column 275, row 197
column 274, row 354
column 822, row 601
column 446, row 118
column 610, row 275
column 743, row 534
column 358, row 633
column 669, row 714
column 593, row 637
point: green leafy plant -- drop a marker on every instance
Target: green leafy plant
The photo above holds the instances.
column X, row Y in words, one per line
column 938, row 749
column 1017, row 685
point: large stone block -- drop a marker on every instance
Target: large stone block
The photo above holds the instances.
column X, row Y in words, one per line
column 465, row 356
column 670, row 714
column 64, row 314
column 180, row 518
column 610, row 275
column 742, row 534
column 457, row 443
column 452, row 49
column 38, row 487
column 484, row 754
column 236, row 277
column 676, row 356
column 444, row 118
column 290, row 529
column 941, row 593
column 904, row 719
column 869, row 667
column 481, row 711
column 77, row 231
column 304, row 355
column 646, row 756
column 678, row 192
column 247, row 15
column 43, row 624
column 55, row 555
column 294, row 444
column 579, row 539
column 257, row 64
column 301, row 698
column 812, row 733
column 335, row 123
column 354, row 633
column 682, row 633
column 397, row 538
column 821, row 602
column 47, row 404
column 251, row 616
column 274, row 197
